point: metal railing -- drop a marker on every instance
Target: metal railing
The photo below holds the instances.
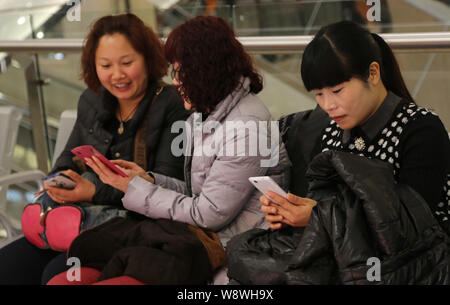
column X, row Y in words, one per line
column 271, row 44
column 274, row 44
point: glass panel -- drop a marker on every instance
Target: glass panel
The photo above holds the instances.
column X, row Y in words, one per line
column 13, row 91
column 279, row 17
column 63, row 87
column 68, row 23
column 57, row 19
column 15, row 26
column 18, row 18
column 283, row 91
column 426, row 74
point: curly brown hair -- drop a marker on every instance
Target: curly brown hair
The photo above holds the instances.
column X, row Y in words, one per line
column 212, row 61
column 140, row 36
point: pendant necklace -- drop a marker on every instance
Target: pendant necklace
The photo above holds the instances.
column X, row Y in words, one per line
column 121, row 128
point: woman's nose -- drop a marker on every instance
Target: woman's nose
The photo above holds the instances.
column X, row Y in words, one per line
column 328, row 104
column 117, row 74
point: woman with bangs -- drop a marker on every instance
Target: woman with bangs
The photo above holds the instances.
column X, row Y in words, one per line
column 357, row 82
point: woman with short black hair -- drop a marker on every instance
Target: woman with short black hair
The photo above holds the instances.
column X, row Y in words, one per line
column 357, row 81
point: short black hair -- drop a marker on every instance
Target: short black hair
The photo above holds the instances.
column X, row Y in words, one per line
column 337, row 53
column 343, row 50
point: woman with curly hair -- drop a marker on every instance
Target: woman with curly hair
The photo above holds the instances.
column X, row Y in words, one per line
column 216, row 78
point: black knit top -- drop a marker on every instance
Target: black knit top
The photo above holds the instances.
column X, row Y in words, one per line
column 412, row 139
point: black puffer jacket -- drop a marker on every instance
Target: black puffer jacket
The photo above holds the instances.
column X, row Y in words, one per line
column 95, row 112
column 361, row 213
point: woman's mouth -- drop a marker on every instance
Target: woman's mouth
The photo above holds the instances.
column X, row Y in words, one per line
column 122, row 86
column 338, row 118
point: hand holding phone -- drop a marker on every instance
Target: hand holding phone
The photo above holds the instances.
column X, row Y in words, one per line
column 265, row 184
column 87, row 151
column 60, row 180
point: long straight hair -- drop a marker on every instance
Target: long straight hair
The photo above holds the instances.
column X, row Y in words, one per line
column 343, row 50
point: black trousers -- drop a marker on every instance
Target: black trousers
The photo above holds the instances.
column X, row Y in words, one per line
column 22, row 263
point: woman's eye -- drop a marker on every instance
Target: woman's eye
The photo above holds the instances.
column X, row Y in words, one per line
column 127, row 63
column 337, row 91
column 104, row 66
column 318, row 94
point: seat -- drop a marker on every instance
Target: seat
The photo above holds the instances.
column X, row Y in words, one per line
column 9, row 123
column 10, row 118
column 66, row 123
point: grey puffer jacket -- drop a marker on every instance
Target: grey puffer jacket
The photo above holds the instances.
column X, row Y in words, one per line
column 216, row 194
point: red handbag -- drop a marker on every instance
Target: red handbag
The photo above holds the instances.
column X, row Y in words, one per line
column 53, row 228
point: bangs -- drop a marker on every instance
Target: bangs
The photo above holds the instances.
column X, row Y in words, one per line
column 322, row 66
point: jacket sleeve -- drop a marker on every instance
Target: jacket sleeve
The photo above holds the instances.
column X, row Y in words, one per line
column 224, row 192
column 170, row 183
column 166, row 163
column 106, row 194
column 424, row 159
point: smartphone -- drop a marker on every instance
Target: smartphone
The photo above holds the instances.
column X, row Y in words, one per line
column 265, row 184
column 60, row 180
column 87, row 151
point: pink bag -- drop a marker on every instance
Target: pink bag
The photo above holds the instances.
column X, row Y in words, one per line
column 54, row 228
column 51, row 225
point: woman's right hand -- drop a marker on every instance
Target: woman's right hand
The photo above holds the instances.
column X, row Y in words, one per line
column 84, row 191
column 292, row 210
column 132, row 169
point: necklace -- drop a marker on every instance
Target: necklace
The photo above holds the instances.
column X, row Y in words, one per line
column 121, row 128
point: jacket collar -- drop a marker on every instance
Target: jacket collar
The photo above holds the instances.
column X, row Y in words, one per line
column 227, row 104
column 109, row 105
column 376, row 122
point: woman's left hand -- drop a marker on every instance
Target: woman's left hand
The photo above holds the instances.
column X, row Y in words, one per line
column 292, row 210
column 84, row 190
column 107, row 176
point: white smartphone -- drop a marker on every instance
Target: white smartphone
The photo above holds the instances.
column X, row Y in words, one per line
column 265, row 184
column 60, row 180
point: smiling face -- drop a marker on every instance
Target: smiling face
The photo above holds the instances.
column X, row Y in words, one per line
column 120, row 68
